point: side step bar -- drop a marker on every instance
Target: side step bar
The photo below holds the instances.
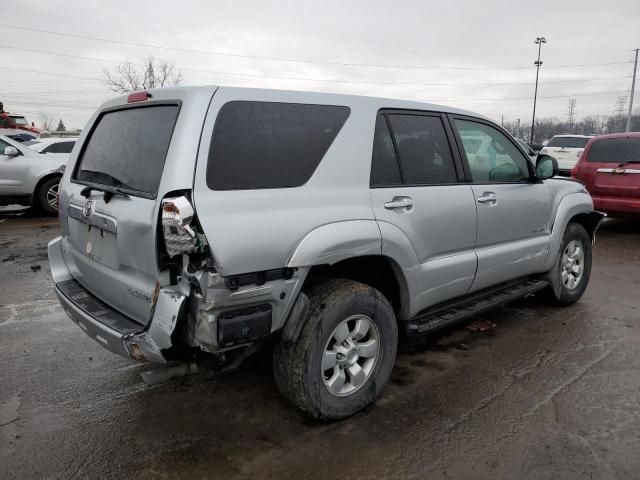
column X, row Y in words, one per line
column 447, row 314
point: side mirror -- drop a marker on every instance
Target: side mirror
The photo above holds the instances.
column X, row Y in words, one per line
column 11, row 151
column 546, row 167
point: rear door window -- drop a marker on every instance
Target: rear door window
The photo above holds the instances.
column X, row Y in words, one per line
column 127, row 148
column 423, row 148
column 257, row 145
column 615, row 150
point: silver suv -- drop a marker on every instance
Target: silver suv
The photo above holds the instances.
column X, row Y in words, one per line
column 28, row 177
column 201, row 223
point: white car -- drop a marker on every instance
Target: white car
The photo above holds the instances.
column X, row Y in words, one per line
column 52, row 145
column 567, row 150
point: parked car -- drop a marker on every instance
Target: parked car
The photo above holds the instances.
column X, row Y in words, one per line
column 16, row 124
column 536, row 147
column 567, row 150
column 29, row 178
column 202, row 222
column 52, row 145
column 610, row 168
column 22, row 137
column 529, row 151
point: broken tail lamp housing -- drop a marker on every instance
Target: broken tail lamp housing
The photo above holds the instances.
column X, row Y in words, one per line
column 179, row 236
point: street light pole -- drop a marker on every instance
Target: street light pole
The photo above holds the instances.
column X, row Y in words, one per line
column 633, row 87
column 538, row 63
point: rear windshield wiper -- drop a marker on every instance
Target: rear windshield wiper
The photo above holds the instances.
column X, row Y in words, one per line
column 109, row 192
column 628, row 162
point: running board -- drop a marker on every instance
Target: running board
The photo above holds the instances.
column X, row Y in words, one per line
column 469, row 306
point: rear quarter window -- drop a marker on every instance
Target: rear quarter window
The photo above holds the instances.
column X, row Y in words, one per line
column 257, row 145
column 614, row 150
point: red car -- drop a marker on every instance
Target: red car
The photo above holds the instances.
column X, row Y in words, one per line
column 610, row 169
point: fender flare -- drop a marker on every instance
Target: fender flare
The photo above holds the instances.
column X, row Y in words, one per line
column 570, row 206
column 333, row 242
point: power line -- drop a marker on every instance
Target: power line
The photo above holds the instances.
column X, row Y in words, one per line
column 308, row 79
column 162, row 28
column 78, row 77
column 283, row 59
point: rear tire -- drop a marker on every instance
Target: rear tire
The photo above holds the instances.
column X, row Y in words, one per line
column 570, row 274
column 47, row 196
column 345, row 353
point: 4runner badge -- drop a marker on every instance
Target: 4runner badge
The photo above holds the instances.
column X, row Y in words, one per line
column 87, row 209
column 88, row 248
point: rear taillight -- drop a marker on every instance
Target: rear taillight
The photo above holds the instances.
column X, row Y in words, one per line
column 179, row 237
column 579, row 153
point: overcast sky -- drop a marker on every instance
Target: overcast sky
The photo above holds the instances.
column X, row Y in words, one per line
column 476, row 55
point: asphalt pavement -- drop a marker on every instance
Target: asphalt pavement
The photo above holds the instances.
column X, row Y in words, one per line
column 548, row 393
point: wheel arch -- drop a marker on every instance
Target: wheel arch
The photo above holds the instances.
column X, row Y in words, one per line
column 378, row 271
column 43, row 179
column 575, row 207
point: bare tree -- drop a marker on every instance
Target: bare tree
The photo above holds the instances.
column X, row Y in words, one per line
column 128, row 77
column 47, row 121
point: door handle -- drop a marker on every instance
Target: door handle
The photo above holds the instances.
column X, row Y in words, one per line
column 397, row 203
column 488, row 197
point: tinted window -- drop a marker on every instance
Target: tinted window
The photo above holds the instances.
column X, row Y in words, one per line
column 615, row 150
column 127, row 149
column 492, row 157
column 425, row 156
column 568, row 142
column 270, row 145
column 384, row 163
column 60, row 147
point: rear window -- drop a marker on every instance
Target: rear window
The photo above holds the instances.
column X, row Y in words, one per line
column 127, row 149
column 568, row 142
column 258, row 145
column 614, row 150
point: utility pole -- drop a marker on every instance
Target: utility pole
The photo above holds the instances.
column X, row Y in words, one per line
column 518, row 123
column 538, row 63
column 502, row 120
column 571, row 114
column 633, row 87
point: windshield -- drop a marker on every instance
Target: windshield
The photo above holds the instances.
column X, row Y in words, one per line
column 615, row 150
column 568, row 142
column 127, row 149
column 19, row 120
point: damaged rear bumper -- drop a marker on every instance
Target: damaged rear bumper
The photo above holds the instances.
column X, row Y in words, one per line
column 111, row 329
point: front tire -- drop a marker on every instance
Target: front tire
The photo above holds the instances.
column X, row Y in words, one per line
column 570, row 274
column 345, row 353
column 47, row 196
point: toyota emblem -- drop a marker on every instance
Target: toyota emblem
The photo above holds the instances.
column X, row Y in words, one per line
column 87, row 209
